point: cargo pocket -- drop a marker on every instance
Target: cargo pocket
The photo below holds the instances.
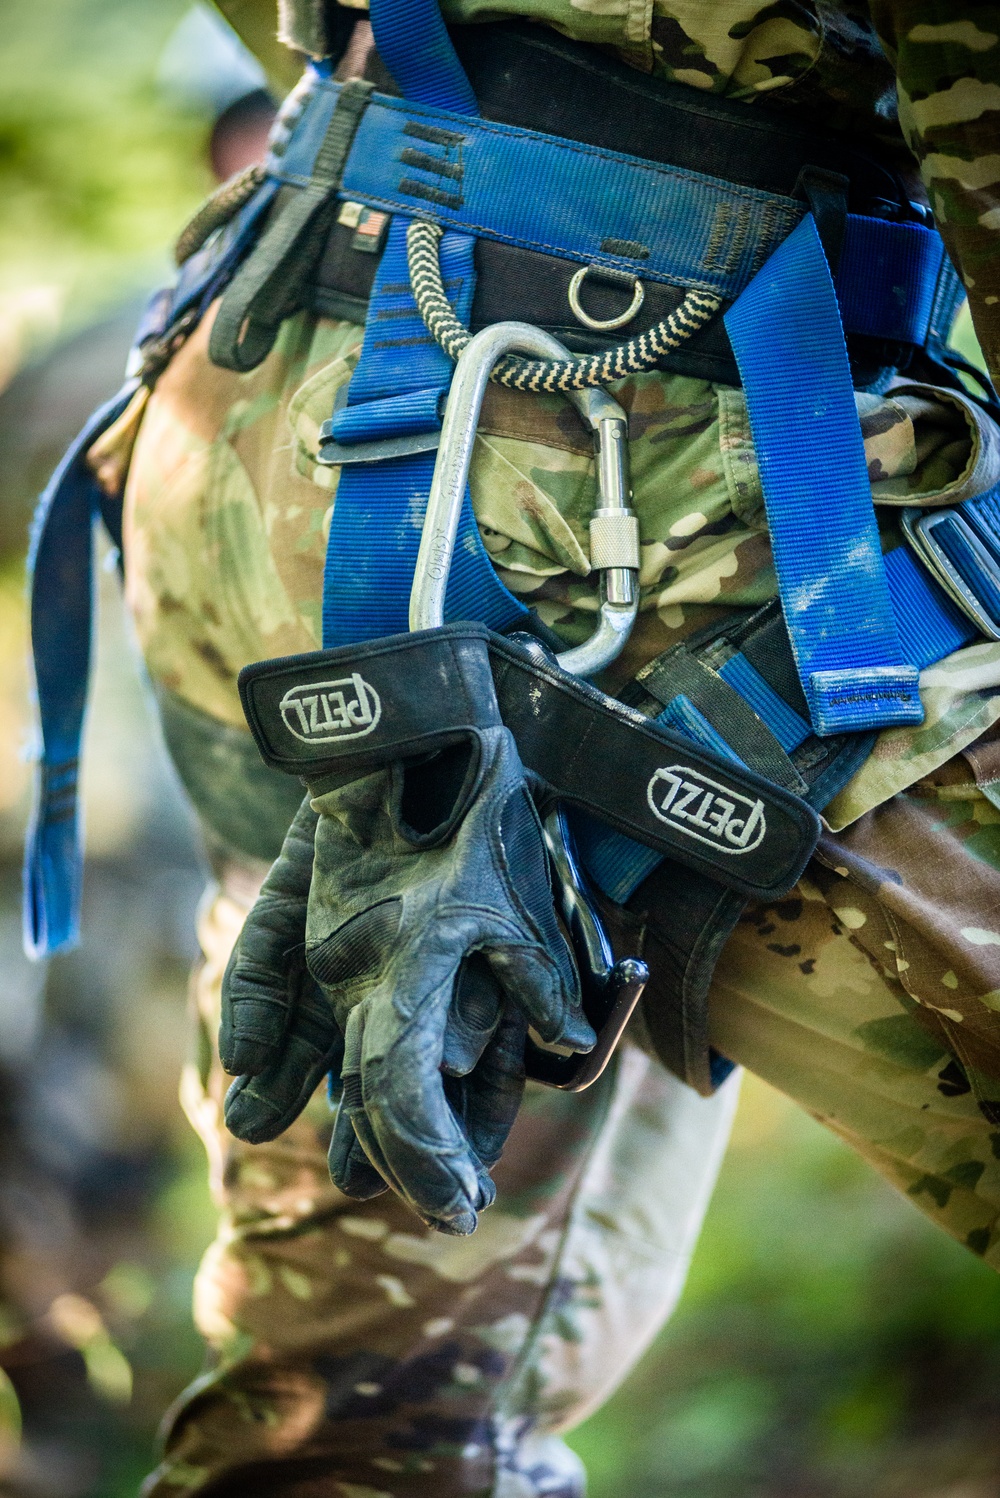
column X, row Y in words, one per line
column 915, row 884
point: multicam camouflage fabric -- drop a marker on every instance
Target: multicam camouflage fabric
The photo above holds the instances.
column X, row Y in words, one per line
column 355, row 1353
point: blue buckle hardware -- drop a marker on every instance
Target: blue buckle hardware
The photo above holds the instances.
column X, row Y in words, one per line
column 961, row 549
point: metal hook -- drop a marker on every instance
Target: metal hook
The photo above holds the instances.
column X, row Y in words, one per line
column 614, row 531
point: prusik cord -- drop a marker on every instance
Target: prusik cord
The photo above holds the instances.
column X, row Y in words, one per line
column 579, row 373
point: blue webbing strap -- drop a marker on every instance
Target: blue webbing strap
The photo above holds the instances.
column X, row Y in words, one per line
column 399, row 386
column 61, row 567
column 414, row 44
column 379, row 507
column 789, row 344
column 930, row 627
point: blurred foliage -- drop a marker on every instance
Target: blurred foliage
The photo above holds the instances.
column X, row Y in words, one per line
column 97, row 169
column 830, row 1344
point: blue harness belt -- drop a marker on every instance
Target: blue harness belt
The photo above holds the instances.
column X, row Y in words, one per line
column 860, row 629
column 540, row 192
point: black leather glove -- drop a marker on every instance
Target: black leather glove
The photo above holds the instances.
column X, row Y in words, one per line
column 430, row 928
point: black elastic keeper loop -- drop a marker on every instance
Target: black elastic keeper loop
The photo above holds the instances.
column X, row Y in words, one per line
column 365, row 706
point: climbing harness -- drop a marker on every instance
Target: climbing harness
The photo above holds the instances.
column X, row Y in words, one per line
column 772, row 258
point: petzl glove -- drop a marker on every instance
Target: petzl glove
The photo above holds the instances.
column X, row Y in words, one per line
column 430, row 924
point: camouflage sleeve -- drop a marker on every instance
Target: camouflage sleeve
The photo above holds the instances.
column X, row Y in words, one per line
column 947, row 61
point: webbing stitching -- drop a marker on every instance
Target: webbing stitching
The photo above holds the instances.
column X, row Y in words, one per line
column 600, row 153
column 487, row 231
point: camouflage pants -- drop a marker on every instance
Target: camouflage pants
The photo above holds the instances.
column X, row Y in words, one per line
column 358, row 1356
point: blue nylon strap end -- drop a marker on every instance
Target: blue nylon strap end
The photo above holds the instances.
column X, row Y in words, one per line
column 60, row 567
column 395, row 416
column 788, row 341
column 682, row 715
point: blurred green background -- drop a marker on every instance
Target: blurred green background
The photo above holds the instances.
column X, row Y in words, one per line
column 830, row 1343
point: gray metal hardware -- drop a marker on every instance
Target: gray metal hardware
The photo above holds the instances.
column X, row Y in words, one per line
column 614, row 529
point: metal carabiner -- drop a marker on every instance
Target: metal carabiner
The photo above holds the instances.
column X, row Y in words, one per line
column 614, row 530
column 610, row 990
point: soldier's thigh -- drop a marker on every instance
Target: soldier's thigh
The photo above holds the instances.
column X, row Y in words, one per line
column 358, row 1353
column 869, row 996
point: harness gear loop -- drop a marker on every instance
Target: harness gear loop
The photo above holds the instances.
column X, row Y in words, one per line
column 223, row 204
column 614, row 528
column 600, row 325
column 564, row 372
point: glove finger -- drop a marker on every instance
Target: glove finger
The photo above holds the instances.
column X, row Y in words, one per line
column 257, row 997
column 544, row 992
column 475, row 1013
column 261, row 1107
column 350, row 1169
column 415, row 1129
column 492, row 1093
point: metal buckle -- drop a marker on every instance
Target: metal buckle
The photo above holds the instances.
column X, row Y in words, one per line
column 331, row 452
column 961, row 549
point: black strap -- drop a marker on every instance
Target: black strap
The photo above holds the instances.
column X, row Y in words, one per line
column 653, row 785
column 349, row 710
column 269, row 284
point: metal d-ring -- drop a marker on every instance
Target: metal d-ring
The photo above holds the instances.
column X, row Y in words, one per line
column 603, row 326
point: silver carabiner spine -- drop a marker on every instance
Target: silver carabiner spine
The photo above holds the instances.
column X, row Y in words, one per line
column 614, row 530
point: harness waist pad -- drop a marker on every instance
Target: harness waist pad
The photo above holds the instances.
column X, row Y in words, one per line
column 656, row 786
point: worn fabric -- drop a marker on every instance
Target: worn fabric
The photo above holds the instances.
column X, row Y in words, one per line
column 228, row 512
column 355, row 1354
column 871, row 995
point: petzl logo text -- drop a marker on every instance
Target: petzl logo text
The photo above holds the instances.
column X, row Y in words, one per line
column 326, row 712
column 701, row 808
